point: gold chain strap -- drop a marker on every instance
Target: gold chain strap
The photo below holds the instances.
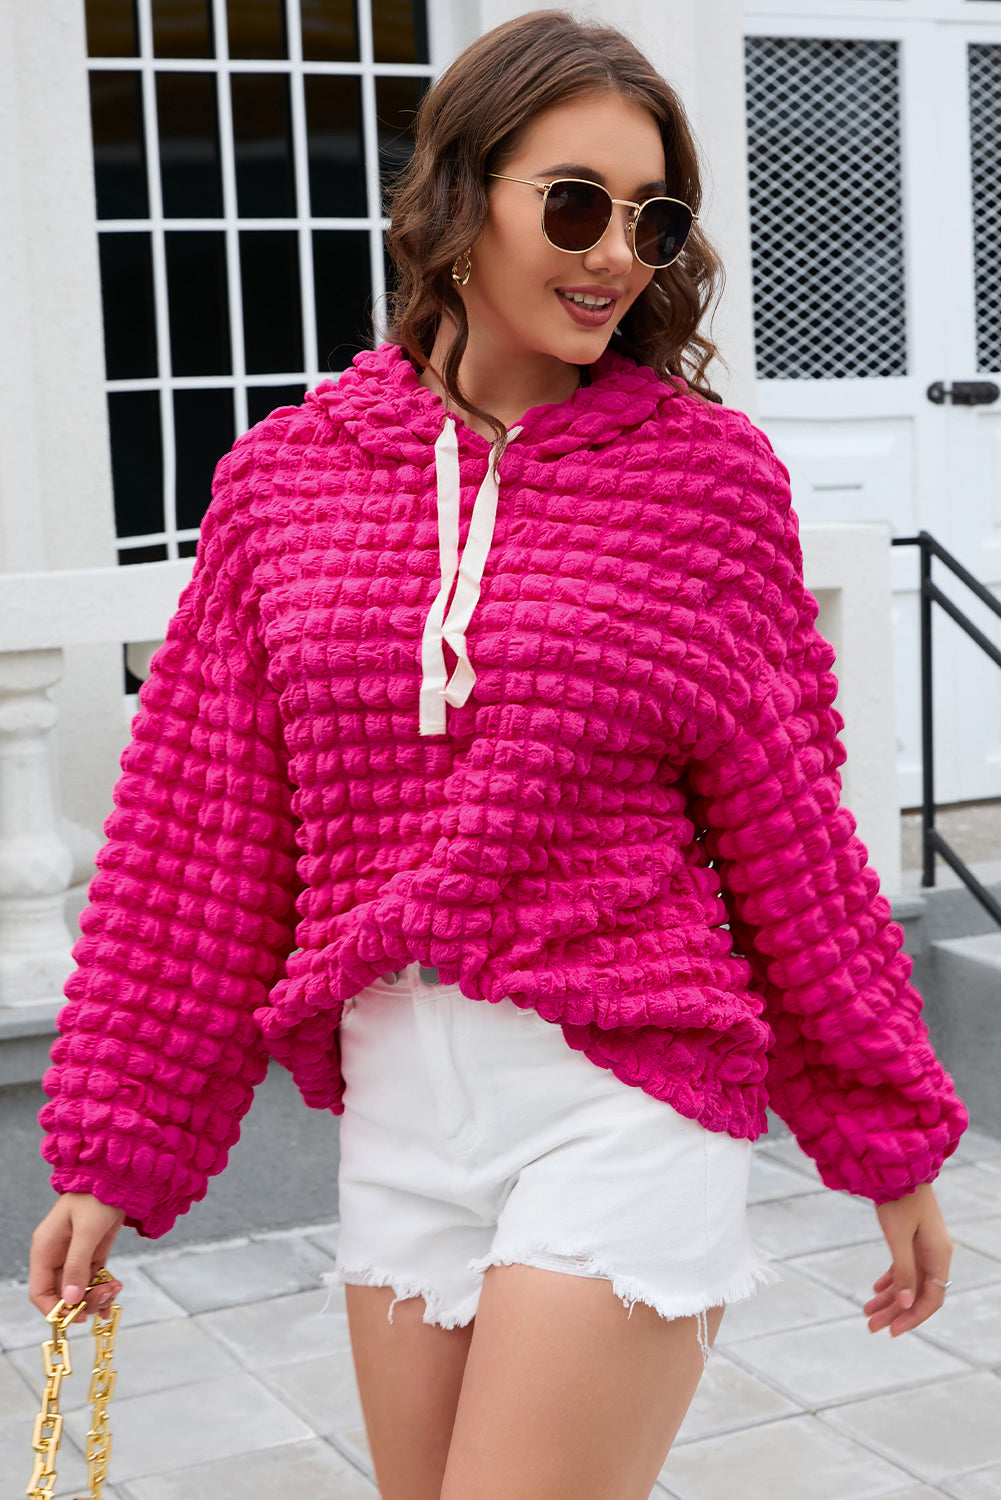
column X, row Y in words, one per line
column 58, row 1364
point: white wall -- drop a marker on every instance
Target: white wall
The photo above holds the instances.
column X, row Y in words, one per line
column 55, row 484
column 848, row 568
column 699, row 49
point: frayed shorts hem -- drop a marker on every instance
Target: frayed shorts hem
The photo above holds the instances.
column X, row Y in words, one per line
column 628, row 1289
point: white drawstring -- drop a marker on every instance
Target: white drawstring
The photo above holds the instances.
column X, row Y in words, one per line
column 437, row 688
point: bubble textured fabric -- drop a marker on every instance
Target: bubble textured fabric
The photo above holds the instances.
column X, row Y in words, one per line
column 632, row 823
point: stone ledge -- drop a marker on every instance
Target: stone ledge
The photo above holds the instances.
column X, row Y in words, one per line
column 983, row 949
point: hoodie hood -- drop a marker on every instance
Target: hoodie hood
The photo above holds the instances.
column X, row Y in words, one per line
column 381, row 403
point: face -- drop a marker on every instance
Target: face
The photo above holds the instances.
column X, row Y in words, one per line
column 516, row 297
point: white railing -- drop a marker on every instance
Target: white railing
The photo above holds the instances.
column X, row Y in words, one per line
column 41, row 613
column 847, row 566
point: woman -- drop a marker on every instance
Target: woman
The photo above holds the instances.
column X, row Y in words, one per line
column 498, row 668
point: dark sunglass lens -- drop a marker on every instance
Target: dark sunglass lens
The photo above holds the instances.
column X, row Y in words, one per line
column 577, row 214
column 661, row 231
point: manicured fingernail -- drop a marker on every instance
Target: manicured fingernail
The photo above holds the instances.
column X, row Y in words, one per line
column 72, row 1294
column 907, row 1298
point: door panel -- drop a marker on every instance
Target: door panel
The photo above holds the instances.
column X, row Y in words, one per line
column 851, row 468
column 875, row 182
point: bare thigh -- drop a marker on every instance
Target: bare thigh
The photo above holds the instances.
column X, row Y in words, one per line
column 553, row 1390
column 409, row 1377
column 565, row 1394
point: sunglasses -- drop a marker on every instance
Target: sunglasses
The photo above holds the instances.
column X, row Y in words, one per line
column 575, row 215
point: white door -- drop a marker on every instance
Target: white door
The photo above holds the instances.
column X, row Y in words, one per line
column 874, row 132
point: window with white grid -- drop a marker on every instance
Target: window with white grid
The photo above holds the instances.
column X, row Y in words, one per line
column 240, row 152
column 823, row 132
column 985, row 132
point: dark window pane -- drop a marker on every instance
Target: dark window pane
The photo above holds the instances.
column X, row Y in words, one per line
column 203, row 431
column 196, row 296
column 262, row 400
column 329, row 31
column 136, row 461
column 111, row 28
column 262, row 140
column 127, row 298
column 396, row 101
column 825, row 148
column 189, row 145
column 334, row 133
column 142, row 555
column 985, row 125
column 119, row 154
column 343, row 295
column 187, row 549
column 183, row 28
column 256, row 28
column 400, row 31
column 272, row 319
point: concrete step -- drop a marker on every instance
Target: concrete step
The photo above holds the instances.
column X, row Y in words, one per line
column 966, row 982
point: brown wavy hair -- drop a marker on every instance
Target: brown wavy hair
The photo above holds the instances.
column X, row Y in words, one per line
column 471, row 123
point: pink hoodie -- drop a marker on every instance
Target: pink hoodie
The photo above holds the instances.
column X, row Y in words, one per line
column 571, row 741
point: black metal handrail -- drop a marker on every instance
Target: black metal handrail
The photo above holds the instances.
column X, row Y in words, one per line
column 932, row 842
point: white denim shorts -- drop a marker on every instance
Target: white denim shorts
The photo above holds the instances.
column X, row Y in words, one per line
column 473, row 1135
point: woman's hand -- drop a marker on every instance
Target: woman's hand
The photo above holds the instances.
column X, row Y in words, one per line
column 69, row 1245
column 919, row 1243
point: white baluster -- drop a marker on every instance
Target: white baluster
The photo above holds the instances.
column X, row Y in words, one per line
column 35, row 863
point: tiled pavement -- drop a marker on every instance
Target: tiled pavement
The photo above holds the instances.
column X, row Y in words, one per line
column 235, row 1385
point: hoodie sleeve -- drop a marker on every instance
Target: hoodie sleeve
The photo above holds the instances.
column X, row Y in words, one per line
column 851, row 1070
column 191, row 910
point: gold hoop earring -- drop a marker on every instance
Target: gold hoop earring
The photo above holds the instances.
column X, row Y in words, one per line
column 460, row 279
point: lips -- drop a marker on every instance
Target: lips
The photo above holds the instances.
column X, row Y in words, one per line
column 588, row 317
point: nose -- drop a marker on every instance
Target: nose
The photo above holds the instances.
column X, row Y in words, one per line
column 614, row 251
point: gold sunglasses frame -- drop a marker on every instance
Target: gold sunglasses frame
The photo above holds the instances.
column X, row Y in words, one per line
column 546, row 187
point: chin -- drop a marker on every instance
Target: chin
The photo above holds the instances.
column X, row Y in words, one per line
column 583, row 349
column 587, row 351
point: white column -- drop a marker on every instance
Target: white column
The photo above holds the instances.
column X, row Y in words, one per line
column 35, row 864
column 55, row 476
column 55, row 482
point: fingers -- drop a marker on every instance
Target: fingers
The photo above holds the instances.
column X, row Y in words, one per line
column 98, row 1300
column 897, row 1289
column 890, row 1309
column 68, row 1248
column 79, row 1267
column 101, row 1298
column 900, row 1319
column 48, row 1251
